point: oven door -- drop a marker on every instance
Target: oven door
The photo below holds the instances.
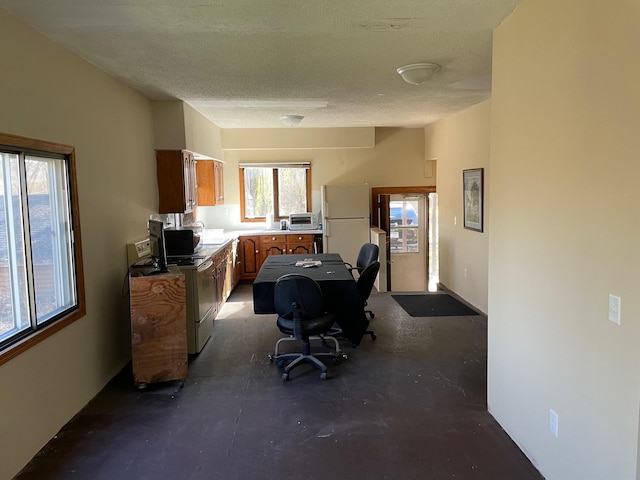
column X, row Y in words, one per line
column 205, row 285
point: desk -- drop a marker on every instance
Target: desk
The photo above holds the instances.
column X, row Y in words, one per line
column 336, row 282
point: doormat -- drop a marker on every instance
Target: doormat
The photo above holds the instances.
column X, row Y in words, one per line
column 433, row 305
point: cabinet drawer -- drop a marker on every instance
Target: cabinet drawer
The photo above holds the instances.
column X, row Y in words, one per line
column 300, row 238
column 267, row 239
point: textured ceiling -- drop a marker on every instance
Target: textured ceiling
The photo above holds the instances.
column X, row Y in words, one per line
column 244, row 63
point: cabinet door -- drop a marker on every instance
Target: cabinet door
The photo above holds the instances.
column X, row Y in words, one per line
column 190, row 187
column 249, row 253
column 300, row 243
column 218, row 182
column 210, row 183
column 176, row 181
column 272, row 245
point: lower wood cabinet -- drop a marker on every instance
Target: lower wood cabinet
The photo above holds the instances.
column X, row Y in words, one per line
column 254, row 249
column 249, row 256
column 299, row 243
column 158, row 327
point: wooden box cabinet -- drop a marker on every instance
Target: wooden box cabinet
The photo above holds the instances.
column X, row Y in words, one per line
column 158, row 327
column 176, row 174
column 210, row 181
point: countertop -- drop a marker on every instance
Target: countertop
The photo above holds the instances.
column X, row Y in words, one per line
column 208, row 250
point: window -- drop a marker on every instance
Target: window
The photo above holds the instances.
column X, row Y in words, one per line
column 404, row 226
column 40, row 263
column 280, row 189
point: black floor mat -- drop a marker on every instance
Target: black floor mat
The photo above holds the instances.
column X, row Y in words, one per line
column 433, row 305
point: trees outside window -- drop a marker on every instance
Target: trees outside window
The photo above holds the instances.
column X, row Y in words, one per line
column 280, row 189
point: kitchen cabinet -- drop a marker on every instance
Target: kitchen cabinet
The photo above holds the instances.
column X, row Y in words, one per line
column 176, row 176
column 220, row 262
column 253, row 250
column 210, row 182
column 231, row 277
column 272, row 245
column 299, row 243
column 249, row 256
column 158, row 327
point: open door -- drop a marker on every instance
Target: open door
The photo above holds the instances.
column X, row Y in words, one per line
column 384, row 222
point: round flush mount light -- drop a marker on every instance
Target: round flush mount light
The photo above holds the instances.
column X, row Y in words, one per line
column 292, row 120
column 417, row 73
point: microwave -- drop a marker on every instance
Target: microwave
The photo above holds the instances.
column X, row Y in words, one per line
column 181, row 241
column 303, row 221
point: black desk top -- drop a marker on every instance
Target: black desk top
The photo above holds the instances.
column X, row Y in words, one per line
column 332, row 268
column 335, row 280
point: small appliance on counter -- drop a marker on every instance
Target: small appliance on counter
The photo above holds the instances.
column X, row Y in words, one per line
column 182, row 240
column 303, row 221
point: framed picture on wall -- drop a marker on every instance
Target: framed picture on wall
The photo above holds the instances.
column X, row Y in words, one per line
column 473, row 198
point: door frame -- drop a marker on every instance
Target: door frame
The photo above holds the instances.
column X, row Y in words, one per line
column 375, row 211
column 375, row 191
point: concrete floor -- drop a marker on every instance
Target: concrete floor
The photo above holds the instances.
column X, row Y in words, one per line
column 410, row 405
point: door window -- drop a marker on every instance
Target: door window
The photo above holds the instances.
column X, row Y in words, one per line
column 404, row 223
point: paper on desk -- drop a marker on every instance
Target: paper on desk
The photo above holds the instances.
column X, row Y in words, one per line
column 307, row 262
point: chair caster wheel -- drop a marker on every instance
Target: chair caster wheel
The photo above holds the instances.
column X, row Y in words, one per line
column 270, row 355
column 323, row 376
column 339, row 358
column 285, row 377
column 372, row 315
column 373, row 336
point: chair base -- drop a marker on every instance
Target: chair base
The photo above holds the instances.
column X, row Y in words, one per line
column 297, row 358
column 336, row 332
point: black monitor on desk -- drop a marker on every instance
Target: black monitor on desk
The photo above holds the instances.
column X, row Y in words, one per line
column 158, row 249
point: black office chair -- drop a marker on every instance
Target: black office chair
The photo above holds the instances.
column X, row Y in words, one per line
column 300, row 306
column 365, row 284
column 366, row 256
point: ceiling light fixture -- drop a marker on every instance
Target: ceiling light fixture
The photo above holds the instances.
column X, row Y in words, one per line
column 417, row 73
column 292, row 120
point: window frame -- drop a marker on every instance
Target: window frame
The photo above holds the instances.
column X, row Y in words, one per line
column 274, row 167
column 41, row 332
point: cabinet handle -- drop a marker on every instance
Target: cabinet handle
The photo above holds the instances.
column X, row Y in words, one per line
column 257, row 251
column 273, row 238
column 299, row 238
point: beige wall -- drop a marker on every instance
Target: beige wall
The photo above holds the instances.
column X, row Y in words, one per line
column 457, row 143
column 47, row 93
column 396, row 160
column 179, row 126
column 565, row 234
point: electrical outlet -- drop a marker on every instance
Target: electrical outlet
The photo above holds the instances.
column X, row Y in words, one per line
column 614, row 309
column 143, row 248
column 455, row 221
column 553, row 423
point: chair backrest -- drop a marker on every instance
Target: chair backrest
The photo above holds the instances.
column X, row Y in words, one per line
column 295, row 292
column 366, row 256
column 366, row 280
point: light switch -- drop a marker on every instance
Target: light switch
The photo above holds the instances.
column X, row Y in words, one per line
column 614, row 309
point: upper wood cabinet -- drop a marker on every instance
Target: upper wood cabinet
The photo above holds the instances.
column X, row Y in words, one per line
column 210, row 178
column 176, row 172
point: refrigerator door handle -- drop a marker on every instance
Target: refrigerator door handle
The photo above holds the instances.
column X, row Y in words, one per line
column 325, row 204
column 327, row 229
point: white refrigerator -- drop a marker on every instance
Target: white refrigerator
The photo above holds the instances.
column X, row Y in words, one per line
column 345, row 219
